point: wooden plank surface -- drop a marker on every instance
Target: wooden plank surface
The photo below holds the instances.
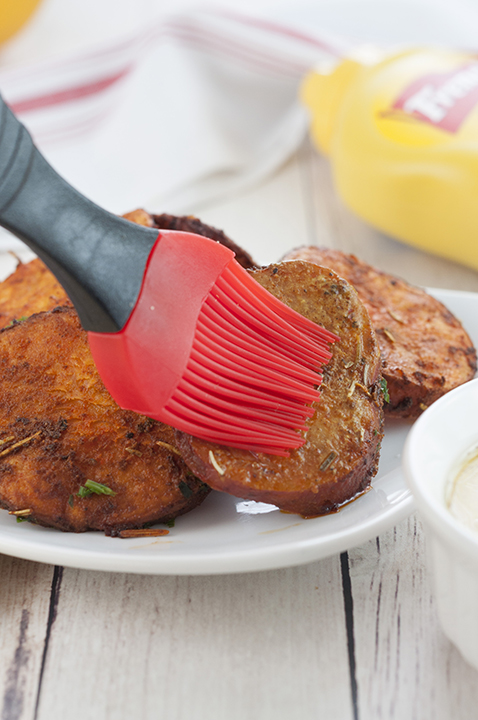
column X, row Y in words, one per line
column 406, row 668
column 25, row 589
column 258, row 646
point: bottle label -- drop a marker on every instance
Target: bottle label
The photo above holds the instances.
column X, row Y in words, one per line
column 442, row 99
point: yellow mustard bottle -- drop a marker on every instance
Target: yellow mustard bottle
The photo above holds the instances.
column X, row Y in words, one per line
column 402, row 136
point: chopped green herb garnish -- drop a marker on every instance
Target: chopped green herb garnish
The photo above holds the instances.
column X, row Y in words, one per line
column 16, row 322
column 91, row 487
column 21, row 519
column 170, row 523
column 71, row 501
column 385, row 392
column 185, row 489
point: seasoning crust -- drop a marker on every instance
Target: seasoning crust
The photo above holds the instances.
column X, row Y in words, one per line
column 61, row 433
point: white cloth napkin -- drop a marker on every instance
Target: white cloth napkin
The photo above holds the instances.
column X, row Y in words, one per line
column 187, row 108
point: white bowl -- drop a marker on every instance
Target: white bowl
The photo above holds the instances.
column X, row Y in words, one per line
column 435, row 444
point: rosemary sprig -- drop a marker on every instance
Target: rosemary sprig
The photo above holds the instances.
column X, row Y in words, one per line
column 91, row 487
column 385, row 392
column 19, row 443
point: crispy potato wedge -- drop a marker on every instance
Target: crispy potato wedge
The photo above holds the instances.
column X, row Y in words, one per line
column 59, row 427
column 341, row 452
column 425, row 350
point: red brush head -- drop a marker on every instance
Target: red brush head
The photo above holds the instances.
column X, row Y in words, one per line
column 209, row 351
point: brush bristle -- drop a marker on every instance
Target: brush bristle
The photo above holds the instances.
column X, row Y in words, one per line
column 254, row 369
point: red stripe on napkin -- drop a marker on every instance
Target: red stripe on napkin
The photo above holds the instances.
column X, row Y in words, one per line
column 73, row 93
column 281, row 30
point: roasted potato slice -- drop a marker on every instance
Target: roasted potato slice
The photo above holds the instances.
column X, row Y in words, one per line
column 341, row 452
column 58, row 425
column 425, row 350
column 60, row 428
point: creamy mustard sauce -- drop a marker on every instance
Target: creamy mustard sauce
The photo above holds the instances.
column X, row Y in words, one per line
column 462, row 491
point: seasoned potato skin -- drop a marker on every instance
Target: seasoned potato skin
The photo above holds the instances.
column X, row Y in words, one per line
column 341, row 452
column 52, row 394
column 425, row 350
column 32, row 288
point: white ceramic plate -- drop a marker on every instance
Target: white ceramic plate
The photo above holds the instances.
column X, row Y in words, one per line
column 227, row 535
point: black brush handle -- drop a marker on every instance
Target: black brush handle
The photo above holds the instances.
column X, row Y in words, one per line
column 98, row 257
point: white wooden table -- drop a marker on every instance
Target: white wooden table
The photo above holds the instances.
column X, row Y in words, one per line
column 352, row 636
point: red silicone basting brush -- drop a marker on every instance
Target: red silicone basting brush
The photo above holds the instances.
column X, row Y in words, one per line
column 178, row 329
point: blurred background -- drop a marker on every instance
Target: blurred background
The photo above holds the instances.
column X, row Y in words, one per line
column 175, row 104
